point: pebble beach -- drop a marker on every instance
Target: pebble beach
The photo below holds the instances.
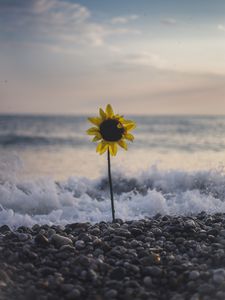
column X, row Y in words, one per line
column 164, row 257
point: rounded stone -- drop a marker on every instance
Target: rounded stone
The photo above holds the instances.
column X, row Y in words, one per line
column 111, row 294
column 59, row 240
column 118, row 273
column 74, row 294
column 80, row 245
column 147, row 281
column 193, row 275
column 219, row 276
column 41, row 239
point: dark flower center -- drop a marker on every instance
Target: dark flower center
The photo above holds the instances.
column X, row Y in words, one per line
column 110, row 131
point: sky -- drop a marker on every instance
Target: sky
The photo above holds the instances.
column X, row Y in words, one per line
column 142, row 56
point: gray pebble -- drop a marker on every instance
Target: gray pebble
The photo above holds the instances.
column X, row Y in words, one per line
column 80, row 245
column 59, row 240
column 111, row 294
column 193, row 275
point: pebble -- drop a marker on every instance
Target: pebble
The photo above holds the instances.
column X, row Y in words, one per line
column 193, row 275
column 219, row 276
column 80, row 245
column 74, row 294
column 147, row 281
column 40, row 239
column 117, row 273
column 165, row 257
column 59, row 240
column 111, row 294
column 4, row 229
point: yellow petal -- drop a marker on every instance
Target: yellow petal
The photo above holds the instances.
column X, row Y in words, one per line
column 105, row 146
column 127, row 121
column 101, row 147
column 96, row 138
column 109, row 111
column 92, row 131
column 129, row 126
column 113, row 149
column 122, row 144
column 129, row 137
column 118, row 117
column 95, row 121
column 102, row 114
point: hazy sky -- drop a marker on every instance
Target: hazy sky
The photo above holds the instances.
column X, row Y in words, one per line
column 142, row 56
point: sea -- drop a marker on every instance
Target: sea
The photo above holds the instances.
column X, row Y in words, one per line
column 50, row 172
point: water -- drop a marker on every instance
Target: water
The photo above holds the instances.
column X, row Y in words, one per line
column 50, row 173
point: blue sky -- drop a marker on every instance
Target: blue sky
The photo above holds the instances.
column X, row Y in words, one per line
column 154, row 57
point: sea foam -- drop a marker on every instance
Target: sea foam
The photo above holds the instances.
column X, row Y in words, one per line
column 171, row 192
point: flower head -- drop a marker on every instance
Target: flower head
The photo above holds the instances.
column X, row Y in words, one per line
column 110, row 130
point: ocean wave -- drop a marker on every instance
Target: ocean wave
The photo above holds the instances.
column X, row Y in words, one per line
column 173, row 192
column 11, row 140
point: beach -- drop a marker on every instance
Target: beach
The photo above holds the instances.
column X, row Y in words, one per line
column 57, row 239
column 112, row 150
column 163, row 257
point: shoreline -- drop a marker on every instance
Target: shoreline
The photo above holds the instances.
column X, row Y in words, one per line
column 164, row 257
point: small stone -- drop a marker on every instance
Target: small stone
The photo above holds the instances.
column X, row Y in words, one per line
column 117, row 273
column 36, row 228
column 47, row 270
column 150, row 259
column 59, row 240
column 4, row 276
column 220, row 295
column 85, row 237
column 195, row 297
column 219, row 276
column 189, row 224
column 95, row 231
column 80, row 245
column 111, row 294
column 123, row 232
column 4, row 229
column 153, row 271
column 2, row 284
column 222, row 232
column 213, row 232
column 205, row 288
column 74, row 294
column 157, row 231
column 147, row 281
column 136, row 231
column 177, row 297
column 41, row 239
column 193, row 275
column 23, row 237
column 67, row 287
column 67, row 248
column 29, row 267
column 179, row 240
column 135, row 243
column 83, row 260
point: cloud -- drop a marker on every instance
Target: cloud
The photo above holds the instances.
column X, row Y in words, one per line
column 57, row 22
column 124, row 19
column 221, row 27
column 168, row 21
column 146, row 59
column 67, row 22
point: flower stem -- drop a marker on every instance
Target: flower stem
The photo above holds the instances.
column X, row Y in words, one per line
column 111, row 188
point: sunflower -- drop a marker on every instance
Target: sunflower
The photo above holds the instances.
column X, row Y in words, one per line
column 110, row 130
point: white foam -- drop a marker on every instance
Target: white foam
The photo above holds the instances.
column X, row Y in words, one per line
column 173, row 192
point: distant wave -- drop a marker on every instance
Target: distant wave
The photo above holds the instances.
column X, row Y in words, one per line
column 25, row 140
